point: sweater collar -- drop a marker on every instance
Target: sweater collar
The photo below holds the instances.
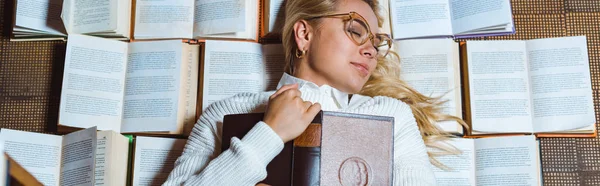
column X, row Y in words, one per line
column 340, row 98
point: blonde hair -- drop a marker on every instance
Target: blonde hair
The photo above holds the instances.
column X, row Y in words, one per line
column 384, row 81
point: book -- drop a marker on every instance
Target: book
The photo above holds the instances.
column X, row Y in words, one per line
column 432, row 67
column 232, row 67
column 37, row 20
column 450, row 18
column 333, row 150
column 510, row 160
column 540, row 86
column 231, row 19
column 83, row 157
column 106, row 18
column 129, row 87
column 154, row 159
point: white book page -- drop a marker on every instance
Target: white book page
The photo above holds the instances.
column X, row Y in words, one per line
column 276, row 16
column 78, row 157
column 231, row 67
column 38, row 153
column 154, row 159
column 561, row 84
column 219, row 16
column 420, row 18
column 101, row 169
column 499, row 86
column 461, row 170
column 507, row 161
column 164, row 19
column 431, row 66
column 191, row 93
column 93, row 83
column 90, row 16
column 153, row 86
column 385, row 12
column 471, row 15
column 274, row 60
column 40, row 15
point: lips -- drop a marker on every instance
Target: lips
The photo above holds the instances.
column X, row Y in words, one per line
column 363, row 69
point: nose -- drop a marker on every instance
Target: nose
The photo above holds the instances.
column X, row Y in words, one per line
column 368, row 50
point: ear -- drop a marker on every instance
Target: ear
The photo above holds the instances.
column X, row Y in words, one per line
column 302, row 34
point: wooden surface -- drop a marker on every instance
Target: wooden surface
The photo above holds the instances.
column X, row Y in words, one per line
column 31, row 76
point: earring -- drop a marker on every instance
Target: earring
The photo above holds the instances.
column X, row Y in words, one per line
column 300, row 54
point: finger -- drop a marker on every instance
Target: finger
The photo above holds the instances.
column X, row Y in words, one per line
column 313, row 110
column 283, row 89
column 307, row 105
column 292, row 93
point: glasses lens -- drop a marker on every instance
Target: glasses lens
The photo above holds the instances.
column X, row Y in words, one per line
column 357, row 30
column 383, row 43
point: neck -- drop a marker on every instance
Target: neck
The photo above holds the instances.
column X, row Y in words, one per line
column 304, row 72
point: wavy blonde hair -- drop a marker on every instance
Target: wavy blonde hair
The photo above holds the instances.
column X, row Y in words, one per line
column 385, row 79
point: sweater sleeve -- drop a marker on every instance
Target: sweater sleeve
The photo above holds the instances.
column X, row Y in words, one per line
column 411, row 162
column 244, row 163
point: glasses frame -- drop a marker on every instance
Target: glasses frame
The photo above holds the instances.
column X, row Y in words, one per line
column 370, row 36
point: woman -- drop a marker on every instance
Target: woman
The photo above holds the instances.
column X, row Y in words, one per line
column 336, row 62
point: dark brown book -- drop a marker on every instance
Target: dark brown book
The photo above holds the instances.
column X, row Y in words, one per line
column 336, row 149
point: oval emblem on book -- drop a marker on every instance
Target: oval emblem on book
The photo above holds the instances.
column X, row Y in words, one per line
column 355, row 171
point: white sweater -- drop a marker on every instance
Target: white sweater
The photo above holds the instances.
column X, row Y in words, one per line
column 245, row 162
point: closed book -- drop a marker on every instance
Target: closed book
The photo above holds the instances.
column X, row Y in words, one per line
column 336, row 149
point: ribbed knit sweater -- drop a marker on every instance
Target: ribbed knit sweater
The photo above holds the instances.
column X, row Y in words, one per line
column 245, row 162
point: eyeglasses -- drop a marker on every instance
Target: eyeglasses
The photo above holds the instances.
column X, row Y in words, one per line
column 357, row 29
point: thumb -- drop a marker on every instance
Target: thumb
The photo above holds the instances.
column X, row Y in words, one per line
column 313, row 110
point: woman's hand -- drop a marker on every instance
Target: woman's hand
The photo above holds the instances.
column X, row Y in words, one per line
column 287, row 114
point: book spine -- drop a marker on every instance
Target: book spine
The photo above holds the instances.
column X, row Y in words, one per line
column 307, row 162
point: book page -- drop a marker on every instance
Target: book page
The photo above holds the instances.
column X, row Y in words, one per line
column 38, row 153
column 461, row 167
column 191, row 93
column 276, row 16
column 164, row 19
column 101, row 171
column 40, row 15
column 78, row 157
column 231, row 67
column 153, row 88
column 93, row 83
column 561, row 84
column 112, row 152
column 154, row 159
column 507, row 161
column 499, row 86
column 274, row 63
column 385, row 12
column 89, row 16
column 431, row 66
column 219, row 16
column 420, row 18
column 473, row 15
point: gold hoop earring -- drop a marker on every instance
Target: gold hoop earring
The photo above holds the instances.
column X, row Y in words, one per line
column 300, row 54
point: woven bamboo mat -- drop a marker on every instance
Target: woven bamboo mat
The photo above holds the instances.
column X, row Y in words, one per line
column 31, row 76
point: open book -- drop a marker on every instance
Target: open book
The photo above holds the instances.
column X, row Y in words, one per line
column 198, row 19
column 512, row 160
column 232, row 67
column 431, row 66
column 80, row 157
column 535, row 86
column 154, row 159
column 106, row 18
column 443, row 18
column 37, row 20
column 129, row 87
